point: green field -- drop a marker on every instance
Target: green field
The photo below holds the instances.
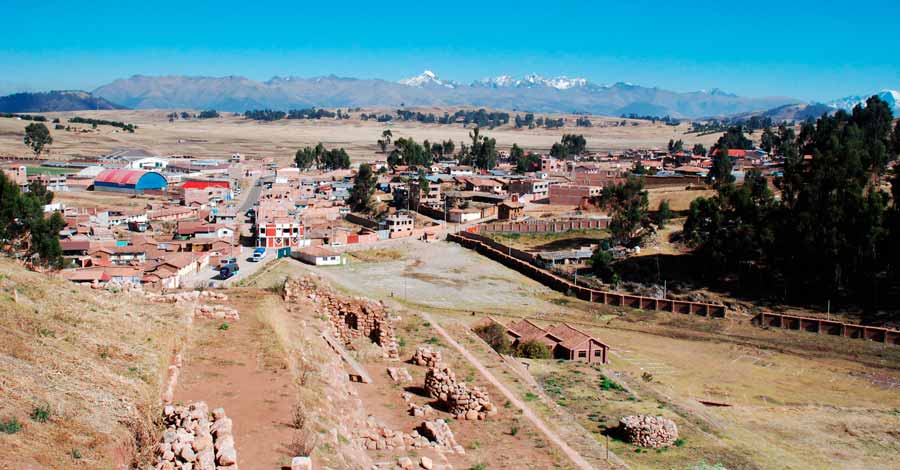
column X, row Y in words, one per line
column 43, row 170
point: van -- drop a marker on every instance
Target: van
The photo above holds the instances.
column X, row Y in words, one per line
column 229, row 270
column 258, row 254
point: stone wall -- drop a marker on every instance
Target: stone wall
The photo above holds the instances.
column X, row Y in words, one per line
column 350, row 318
column 194, row 439
column 462, row 401
column 426, row 357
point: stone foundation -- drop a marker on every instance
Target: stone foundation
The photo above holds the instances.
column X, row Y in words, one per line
column 426, row 357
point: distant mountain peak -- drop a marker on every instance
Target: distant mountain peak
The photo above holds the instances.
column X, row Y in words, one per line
column 561, row 82
column 424, row 79
column 891, row 97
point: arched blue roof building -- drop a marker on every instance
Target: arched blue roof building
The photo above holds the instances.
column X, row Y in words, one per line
column 129, row 181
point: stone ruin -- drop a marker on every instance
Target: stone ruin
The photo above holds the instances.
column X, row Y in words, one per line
column 201, row 310
column 426, row 356
column 350, row 318
column 462, row 402
column 648, row 431
column 193, row 441
column 399, row 374
column 434, row 434
column 413, row 408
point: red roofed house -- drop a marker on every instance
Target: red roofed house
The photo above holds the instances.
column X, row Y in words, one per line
column 565, row 341
column 129, row 181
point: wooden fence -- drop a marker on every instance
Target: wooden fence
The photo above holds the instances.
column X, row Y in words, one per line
column 524, row 263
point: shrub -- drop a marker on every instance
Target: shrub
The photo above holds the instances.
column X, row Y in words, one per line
column 679, row 442
column 479, row 466
column 607, row 384
column 513, row 430
column 40, row 413
column 533, row 349
column 10, row 426
column 224, row 326
column 530, row 396
column 494, row 335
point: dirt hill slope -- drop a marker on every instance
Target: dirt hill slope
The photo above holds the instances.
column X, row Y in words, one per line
column 80, row 372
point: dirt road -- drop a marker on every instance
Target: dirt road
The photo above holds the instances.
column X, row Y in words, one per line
column 574, row 456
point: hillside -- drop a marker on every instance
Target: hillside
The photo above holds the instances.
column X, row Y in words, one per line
column 532, row 93
column 53, row 101
column 90, row 362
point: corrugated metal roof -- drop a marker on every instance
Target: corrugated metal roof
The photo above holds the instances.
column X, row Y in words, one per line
column 120, row 176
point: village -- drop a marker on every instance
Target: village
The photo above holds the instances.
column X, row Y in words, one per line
column 188, row 218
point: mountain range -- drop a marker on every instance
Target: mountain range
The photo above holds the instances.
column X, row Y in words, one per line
column 531, row 93
column 64, row 100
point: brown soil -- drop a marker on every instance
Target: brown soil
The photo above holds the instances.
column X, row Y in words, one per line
column 242, row 370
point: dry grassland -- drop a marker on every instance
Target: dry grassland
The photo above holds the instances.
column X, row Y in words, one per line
column 797, row 400
column 218, row 138
column 80, row 370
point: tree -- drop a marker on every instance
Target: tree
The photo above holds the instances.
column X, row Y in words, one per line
column 385, row 141
column 676, row 146
column 305, row 158
column 628, row 204
column 495, row 336
column 24, row 226
column 449, row 147
column 569, row 145
column 601, row 265
column 483, row 151
column 37, row 136
column 720, row 174
column 698, row 149
column 516, row 153
column 363, row 189
column 734, row 138
column 40, row 192
column 663, row 213
column 769, row 140
column 533, row 349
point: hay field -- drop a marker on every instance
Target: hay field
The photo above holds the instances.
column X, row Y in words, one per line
column 217, row 138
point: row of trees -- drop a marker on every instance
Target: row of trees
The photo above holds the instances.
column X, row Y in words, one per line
column 103, row 122
column 23, row 227
column 321, row 158
column 570, row 145
column 833, row 229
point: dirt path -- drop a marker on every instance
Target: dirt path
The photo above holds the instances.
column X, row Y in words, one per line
column 574, row 456
column 242, row 370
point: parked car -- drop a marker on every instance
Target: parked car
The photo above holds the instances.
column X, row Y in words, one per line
column 258, row 254
column 229, row 270
column 226, row 261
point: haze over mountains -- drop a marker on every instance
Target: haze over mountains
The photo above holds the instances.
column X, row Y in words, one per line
column 532, row 93
column 66, row 100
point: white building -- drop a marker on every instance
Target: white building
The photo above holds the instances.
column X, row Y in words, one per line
column 320, row 256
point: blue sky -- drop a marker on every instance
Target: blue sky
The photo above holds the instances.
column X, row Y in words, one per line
column 814, row 50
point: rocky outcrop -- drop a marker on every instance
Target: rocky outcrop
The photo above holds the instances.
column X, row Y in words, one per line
column 462, row 401
column 216, row 312
column 399, row 374
column 187, row 296
column 196, row 439
column 350, row 318
column 648, row 431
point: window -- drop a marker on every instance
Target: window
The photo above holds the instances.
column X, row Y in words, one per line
column 598, row 353
column 582, row 353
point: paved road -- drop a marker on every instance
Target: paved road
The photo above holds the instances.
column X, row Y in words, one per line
column 210, row 274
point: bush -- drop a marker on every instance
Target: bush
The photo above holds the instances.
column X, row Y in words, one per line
column 495, row 335
column 533, row 349
column 41, row 413
column 10, row 426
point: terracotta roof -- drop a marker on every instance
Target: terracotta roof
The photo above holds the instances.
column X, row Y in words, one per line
column 570, row 336
column 525, row 330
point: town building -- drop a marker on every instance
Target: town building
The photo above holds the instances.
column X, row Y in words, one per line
column 129, row 181
column 320, row 256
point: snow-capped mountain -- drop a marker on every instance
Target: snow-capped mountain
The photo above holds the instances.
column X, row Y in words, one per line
column 533, row 80
column 891, row 97
column 424, row 79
